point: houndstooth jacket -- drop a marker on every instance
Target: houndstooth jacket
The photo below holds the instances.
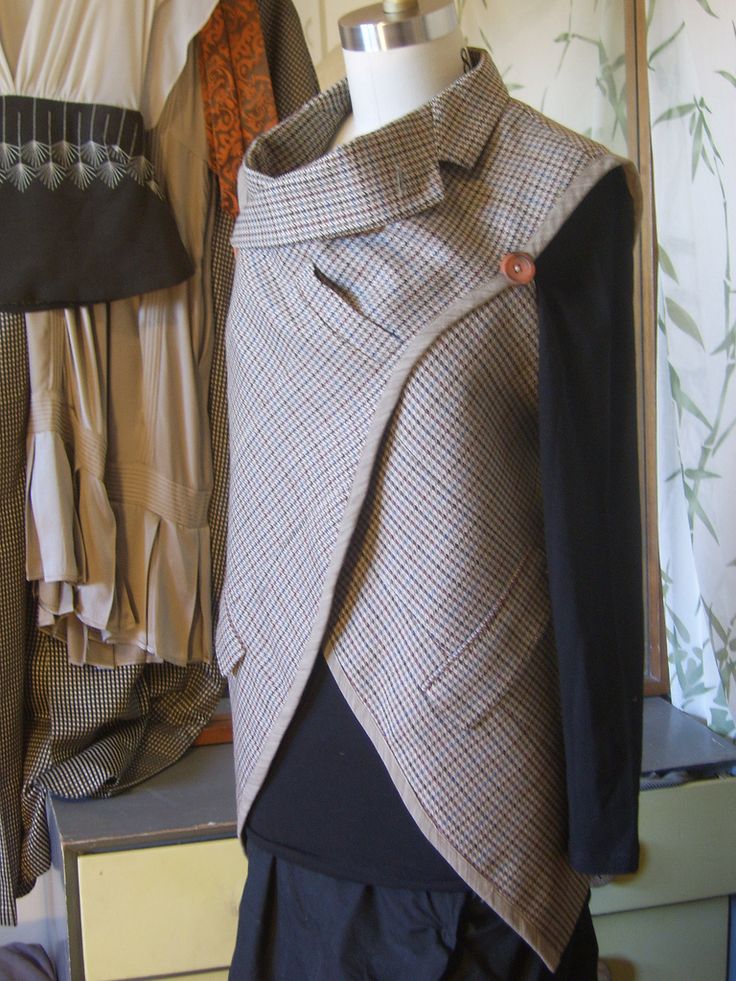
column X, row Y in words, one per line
column 386, row 504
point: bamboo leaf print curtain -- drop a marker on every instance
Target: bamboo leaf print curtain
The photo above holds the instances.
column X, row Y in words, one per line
column 567, row 58
column 692, row 90
column 564, row 57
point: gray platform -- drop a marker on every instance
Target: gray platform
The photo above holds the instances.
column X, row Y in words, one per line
column 674, row 740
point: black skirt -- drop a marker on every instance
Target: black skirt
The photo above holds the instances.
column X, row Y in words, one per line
column 300, row 925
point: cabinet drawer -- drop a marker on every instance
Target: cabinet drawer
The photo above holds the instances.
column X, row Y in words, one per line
column 160, row 911
column 683, row 855
column 685, row 942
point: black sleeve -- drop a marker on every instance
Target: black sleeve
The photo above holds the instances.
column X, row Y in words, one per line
column 588, row 434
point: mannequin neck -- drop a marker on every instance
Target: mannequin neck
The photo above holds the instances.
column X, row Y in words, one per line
column 385, row 85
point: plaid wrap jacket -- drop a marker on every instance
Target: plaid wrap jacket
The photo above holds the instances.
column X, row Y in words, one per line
column 386, row 504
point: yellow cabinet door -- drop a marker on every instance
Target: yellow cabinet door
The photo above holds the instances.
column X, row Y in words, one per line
column 683, row 858
column 159, row 911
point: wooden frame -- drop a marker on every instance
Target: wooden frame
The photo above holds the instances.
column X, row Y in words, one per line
column 656, row 676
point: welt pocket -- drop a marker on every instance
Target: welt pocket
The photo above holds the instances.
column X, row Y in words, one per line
column 491, row 661
column 343, row 321
column 230, row 650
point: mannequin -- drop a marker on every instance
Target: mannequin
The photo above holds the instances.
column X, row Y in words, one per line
column 397, row 56
column 390, row 611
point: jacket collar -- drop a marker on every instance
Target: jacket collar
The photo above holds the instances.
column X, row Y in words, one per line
column 293, row 188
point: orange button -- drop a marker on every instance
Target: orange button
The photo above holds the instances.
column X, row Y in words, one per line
column 518, row 267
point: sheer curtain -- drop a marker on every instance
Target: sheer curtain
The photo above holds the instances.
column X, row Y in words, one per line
column 692, row 84
column 564, row 57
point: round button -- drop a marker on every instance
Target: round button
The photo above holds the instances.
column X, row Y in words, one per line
column 518, row 267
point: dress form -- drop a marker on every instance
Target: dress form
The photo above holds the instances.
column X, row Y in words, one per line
column 398, row 55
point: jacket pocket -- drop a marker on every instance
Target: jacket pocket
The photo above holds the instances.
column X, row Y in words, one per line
column 343, row 321
column 492, row 659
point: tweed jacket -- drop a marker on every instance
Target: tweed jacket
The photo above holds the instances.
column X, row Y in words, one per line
column 386, row 507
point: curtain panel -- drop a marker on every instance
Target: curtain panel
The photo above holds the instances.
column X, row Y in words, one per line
column 692, row 89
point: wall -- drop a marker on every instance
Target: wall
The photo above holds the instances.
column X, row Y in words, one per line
column 35, row 916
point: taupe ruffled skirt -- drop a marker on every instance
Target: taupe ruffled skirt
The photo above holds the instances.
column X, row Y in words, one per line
column 119, row 480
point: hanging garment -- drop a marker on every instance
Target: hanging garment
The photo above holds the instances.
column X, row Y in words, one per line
column 119, row 467
column 90, row 732
column 86, row 82
column 388, row 437
column 236, row 89
column 14, row 599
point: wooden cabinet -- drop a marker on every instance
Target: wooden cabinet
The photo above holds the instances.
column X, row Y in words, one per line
column 152, row 879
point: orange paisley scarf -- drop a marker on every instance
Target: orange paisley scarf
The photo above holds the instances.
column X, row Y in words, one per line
column 236, row 90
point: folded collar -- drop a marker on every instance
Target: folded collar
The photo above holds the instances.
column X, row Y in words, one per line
column 294, row 188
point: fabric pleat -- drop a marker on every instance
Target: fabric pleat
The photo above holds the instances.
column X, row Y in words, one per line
column 116, row 536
